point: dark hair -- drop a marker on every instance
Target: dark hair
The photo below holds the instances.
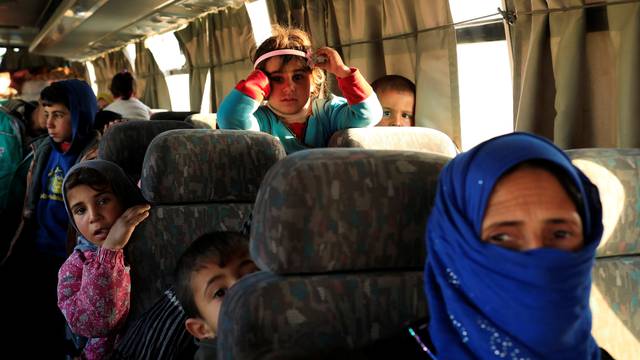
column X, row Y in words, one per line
column 294, row 39
column 90, row 177
column 212, row 248
column 103, row 117
column 122, row 85
column 56, row 93
column 395, row 83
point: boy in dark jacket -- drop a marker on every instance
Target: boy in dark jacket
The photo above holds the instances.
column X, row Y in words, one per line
column 40, row 246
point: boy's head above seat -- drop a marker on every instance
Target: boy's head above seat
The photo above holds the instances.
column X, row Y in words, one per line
column 205, row 271
column 69, row 107
column 397, row 95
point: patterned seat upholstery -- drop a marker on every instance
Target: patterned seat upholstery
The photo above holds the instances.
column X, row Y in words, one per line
column 340, row 233
column 125, row 144
column 197, row 181
column 615, row 297
column 396, row 138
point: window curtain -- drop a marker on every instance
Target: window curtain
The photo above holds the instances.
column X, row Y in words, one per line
column 195, row 43
column 107, row 66
column 576, row 73
column 80, row 70
column 206, row 45
column 151, row 84
column 415, row 39
column 230, row 63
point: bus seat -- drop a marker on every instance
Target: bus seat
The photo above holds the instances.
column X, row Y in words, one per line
column 125, row 144
column 396, row 138
column 172, row 115
column 615, row 294
column 340, row 235
column 204, row 121
column 197, row 181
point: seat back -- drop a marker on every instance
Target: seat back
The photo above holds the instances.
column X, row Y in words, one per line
column 208, row 120
column 172, row 115
column 396, row 138
column 615, row 292
column 125, row 144
column 340, row 235
column 197, row 181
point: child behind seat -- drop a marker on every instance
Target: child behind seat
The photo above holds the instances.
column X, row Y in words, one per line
column 94, row 285
column 291, row 82
column 207, row 269
column 397, row 95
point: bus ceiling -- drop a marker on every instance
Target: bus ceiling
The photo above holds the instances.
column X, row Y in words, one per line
column 83, row 29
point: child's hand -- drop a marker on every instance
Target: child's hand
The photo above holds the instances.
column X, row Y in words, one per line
column 333, row 62
column 121, row 231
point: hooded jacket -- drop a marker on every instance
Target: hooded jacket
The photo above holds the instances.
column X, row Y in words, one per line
column 43, row 199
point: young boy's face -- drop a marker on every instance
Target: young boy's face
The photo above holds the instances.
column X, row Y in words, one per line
column 209, row 286
column 397, row 108
column 58, row 122
column 94, row 212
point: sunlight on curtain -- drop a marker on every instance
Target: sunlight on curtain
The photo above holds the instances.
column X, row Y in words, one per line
column 484, row 77
column 205, row 106
column 92, row 77
column 260, row 23
column 166, row 51
column 130, row 53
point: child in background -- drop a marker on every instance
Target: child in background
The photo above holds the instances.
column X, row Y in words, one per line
column 397, row 95
column 104, row 206
column 222, row 256
column 291, row 83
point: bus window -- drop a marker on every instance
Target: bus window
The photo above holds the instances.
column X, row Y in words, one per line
column 91, row 71
column 484, row 71
column 166, row 51
column 260, row 23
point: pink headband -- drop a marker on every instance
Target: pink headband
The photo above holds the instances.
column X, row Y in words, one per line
column 273, row 53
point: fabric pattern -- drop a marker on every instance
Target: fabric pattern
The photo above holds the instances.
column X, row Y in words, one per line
column 126, row 143
column 160, row 334
column 315, row 315
column 93, row 295
column 346, row 198
column 396, row 138
column 616, row 172
column 192, row 166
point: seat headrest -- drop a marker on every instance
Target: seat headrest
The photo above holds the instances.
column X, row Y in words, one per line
column 330, row 210
column 172, row 115
column 616, row 173
column 125, row 144
column 194, row 166
column 396, row 138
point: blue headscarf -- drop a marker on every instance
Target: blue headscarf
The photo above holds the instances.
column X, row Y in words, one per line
column 488, row 302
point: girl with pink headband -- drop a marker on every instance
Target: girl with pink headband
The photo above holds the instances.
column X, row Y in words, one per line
column 285, row 95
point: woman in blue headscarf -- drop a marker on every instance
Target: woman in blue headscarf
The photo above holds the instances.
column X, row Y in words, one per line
column 511, row 243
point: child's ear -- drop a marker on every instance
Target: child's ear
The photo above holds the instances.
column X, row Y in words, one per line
column 199, row 328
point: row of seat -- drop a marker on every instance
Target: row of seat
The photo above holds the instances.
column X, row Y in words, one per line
column 339, row 232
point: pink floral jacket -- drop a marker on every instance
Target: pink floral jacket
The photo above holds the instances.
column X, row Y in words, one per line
column 93, row 294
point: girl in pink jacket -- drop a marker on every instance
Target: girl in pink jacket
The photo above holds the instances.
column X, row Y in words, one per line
column 104, row 206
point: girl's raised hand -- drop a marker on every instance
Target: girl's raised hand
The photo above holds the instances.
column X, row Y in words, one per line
column 121, row 231
column 333, row 62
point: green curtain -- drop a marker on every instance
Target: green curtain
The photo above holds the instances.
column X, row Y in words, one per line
column 230, row 63
column 151, row 84
column 195, row 42
column 107, row 66
column 415, row 39
column 576, row 73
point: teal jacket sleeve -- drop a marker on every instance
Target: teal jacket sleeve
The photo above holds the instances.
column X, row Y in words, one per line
column 236, row 112
column 361, row 108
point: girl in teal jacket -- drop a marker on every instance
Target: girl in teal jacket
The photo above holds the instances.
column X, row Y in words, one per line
column 285, row 94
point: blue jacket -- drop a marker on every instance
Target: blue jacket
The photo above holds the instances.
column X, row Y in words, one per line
column 239, row 111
